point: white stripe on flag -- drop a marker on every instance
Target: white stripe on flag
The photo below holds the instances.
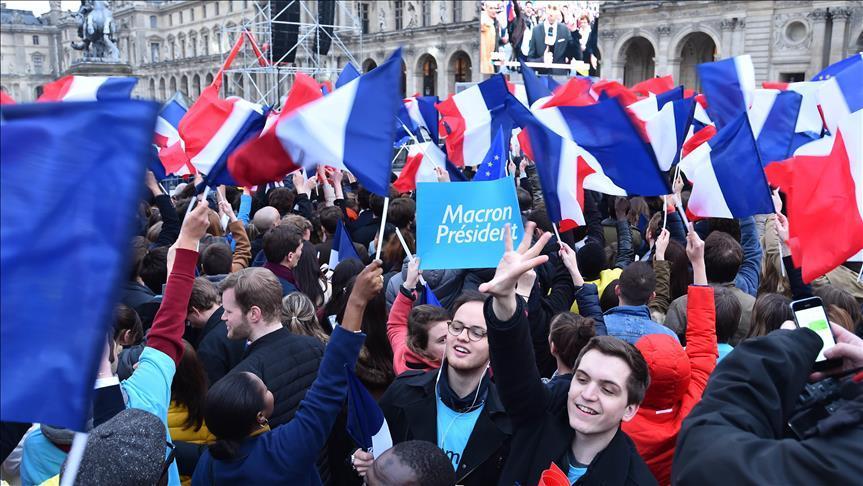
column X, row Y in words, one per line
column 662, row 131
column 382, row 440
column 567, row 186
column 762, row 103
column 315, row 133
column 833, row 104
column 706, row 198
column 212, row 152
column 477, row 121
column 84, row 88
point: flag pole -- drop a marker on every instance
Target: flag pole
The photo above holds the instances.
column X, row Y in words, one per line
column 383, row 226
column 664, row 211
column 73, row 462
column 860, row 275
column 191, row 203
column 408, row 252
column 556, row 234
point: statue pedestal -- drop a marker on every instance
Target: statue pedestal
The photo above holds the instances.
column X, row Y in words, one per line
column 94, row 68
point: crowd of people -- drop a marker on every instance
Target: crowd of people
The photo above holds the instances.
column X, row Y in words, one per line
column 636, row 349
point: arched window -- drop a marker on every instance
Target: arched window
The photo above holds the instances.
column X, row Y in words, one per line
column 696, row 48
column 196, row 84
column 640, row 63
column 428, row 74
column 184, row 85
column 369, row 64
column 460, row 69
column 173, row 85
column 152, row 89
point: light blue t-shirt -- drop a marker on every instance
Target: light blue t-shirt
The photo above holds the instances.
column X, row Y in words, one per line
column 724, row 349
column 40, row 459
column 454, row 429
column 575, row 473
column 149, row 389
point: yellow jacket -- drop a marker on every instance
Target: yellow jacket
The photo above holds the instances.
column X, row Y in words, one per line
column 605, row 277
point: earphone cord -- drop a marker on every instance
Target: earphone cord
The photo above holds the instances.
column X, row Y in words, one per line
column 461, row 414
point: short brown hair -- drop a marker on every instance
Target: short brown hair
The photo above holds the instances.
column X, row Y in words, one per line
column 637, row 282
column 419, row 320
column 297, row 222
column 728, row 312
column 280, row 241
column 570, row 333
column 256, row 287
column 639, row 377
column 723, row 256
column 204, row 294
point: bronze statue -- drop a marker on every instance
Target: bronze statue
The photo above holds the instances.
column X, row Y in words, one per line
column 96, row 28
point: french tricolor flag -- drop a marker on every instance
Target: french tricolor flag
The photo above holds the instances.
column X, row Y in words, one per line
column 419, row 115
column 420, row 166
column 472, row 118
column 172, row 150
column 842, row 94
column 89, row 88
column 667, row 118
column 366, row 425
column 825, row 188
column 726, row 173
column 351, row 128
column 343, row 247
column 611, row 144
column 773, row 117
column 213, row 128
column 728, row 85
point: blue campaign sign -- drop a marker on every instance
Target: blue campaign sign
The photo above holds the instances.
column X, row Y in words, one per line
column 461, row 224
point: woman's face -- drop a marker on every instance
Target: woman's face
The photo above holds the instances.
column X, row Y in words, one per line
column 437, row 341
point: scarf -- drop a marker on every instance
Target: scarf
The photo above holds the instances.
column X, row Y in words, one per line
column 461, row 405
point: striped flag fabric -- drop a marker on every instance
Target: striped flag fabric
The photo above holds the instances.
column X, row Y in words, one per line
column 88, row 88
column 773, row 118
column 348, row 74
column 472, row 118
column 667, row 119
column 366, row 425
column 728, row 85
column 832, row 70
column 842, row 94
column 727, row 176
column 420, row 166
column 428, row 297
column 171, row 149
column 343, row 246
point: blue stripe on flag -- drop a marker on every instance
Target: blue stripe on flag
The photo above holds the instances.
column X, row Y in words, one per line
column 735, row 161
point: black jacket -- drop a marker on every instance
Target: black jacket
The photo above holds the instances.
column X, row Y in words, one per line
column 538, row 47
column 735, row 435
column 541, row 431
column 218, row 354
column 410, row 407
column 288, row 364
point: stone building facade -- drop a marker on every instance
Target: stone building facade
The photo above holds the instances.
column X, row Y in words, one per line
column 179, row 45
column 788, row 40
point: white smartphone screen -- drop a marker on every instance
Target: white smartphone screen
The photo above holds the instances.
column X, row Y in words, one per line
column 814, row 318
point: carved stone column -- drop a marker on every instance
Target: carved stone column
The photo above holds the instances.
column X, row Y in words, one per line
column 837, row 37
column 612, row 67
column 817, row 61
column 663, row 33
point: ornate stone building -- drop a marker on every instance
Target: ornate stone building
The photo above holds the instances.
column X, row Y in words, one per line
column 788, row 40
column 179, row 45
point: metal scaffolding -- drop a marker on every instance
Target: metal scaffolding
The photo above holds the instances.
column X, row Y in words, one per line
column 268, row 83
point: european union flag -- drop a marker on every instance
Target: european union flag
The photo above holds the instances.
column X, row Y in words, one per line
column 493, row 166
column 58, row 291
column 428, row 297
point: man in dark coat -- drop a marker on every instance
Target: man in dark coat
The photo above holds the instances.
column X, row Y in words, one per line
column 581, row 436
column 736, row 433
column 549, row 42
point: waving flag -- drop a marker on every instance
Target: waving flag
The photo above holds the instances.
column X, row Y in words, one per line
column 343, row 246
column 352, row 128
column 420, row 166
column 172, row 150
column 473, row 118
column 842, row 94
column 667, row 119
column 727, row 176
column 348, row 74
column 654, row 86
column 535, row 87
column 418, row 115
column 5, row 99
column 728, row 85
column 773, row 118
column 428, row 297
column 265, row 159
column 611, row 146
column 77, row 150
column 493, row 166
column 89, row 88
column 825, row 188
column 832, row 70
column 367, row 425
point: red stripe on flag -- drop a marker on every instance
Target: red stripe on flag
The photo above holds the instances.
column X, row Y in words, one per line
column 407, row 178
column 56, row 90
column 5, row 99
column 453, row 125
column 697, row 139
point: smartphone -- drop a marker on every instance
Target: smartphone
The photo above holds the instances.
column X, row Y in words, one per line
column 810, row 313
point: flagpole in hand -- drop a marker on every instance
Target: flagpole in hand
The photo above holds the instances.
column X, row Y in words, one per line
column 383, row 226
column 678, row 202
column 408, row 252
column 777, row 208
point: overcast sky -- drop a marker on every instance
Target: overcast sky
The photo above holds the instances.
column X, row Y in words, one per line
column 40, row 6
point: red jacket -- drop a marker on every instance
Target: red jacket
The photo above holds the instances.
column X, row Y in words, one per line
column 677, row 380
column 397, row 332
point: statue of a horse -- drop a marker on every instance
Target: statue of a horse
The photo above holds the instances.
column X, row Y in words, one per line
column 96, row 28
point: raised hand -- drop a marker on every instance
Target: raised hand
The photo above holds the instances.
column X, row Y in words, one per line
column 512, row 265
column 367, row 285
column 442, row 174
column 225, row 208
column 413, row 276
column 152, row 184
column 782, row 227
column 662, row 244
column 567, row 255
column 695, row 252
column 777, row 201
column 621, row 208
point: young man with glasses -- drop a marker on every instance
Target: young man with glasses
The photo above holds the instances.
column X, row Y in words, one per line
column 457, row 406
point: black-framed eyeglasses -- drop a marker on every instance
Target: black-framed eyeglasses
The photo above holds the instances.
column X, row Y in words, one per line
column 474, row 333
column 168, row 461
